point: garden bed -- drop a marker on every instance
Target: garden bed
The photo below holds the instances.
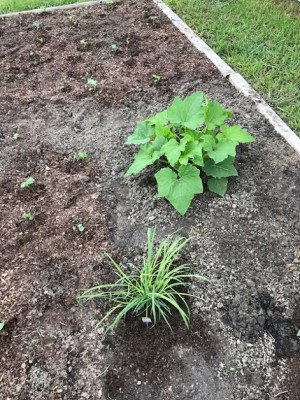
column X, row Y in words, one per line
column 242, row 341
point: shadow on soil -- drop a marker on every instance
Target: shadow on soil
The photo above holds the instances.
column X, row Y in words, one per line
column 142, row 359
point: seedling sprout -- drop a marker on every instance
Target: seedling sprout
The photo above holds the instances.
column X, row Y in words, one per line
column 92, row 84
column 80, row 228
column 28, row 182
column 81, row 155
column 28, row 216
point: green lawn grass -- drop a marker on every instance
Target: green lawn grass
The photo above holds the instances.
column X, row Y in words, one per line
column 258, row 38
column 21, row 5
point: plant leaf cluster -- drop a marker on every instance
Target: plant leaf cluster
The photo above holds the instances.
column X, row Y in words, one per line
column 92, row 84
column 28, row 216
column 154, row 291
column 80, row 228
column 28, row 182
column 81, row 155
column 84, row 42
column 193, row 140
column 16, row 136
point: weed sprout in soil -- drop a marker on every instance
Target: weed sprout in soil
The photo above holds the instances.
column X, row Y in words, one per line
column 81, row 155
column 92, row 84
column 84, row 42
column 28, row 216
column 28, row 182
column 80, row 228
column 15, row 136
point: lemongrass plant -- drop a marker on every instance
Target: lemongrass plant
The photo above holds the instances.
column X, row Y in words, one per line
column 154, row 291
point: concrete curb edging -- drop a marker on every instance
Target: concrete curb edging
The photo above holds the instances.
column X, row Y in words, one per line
column 234, row 78
column 55, row 8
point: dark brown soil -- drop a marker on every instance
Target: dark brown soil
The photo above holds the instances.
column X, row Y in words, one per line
column 58, row 68
column 293, row 381
column 46, row 262
column 63, row 196
column 49, row 349
column 149, row 357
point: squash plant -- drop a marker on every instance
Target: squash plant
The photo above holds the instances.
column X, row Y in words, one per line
column 190, row 140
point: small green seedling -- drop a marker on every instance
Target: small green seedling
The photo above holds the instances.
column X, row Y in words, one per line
column 156, row 78
column 62, row 87
column 80, row 228
column 84, row 42
column 153, row 19
column 28, row 182
column 92, row 84
column 73, row 20
column 81, row 155
column 2, row 325
column 114, row 47
column 41, row 40
column 37, row 25
column 16, row 136
column 298, row 334
column 28, row 216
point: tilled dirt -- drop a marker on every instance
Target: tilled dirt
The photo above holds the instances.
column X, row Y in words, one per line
column 242, row 343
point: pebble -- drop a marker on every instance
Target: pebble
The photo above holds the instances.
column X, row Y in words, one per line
column 83, row 178
column 291, row 267
column 250, row 283
column 139, row 383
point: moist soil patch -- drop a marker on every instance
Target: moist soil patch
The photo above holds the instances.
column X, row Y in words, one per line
column 242, row 342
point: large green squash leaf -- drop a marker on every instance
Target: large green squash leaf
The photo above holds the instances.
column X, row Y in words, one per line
column 215, row 115
column 147, row 155
column 159, row 118
column 193, row 151
column 236, row 134
column 223, row 149
column 173, row 149
column 218, row 185
column 163, row 130
column 141, row 134
column 209, row 142
column 180, row 188
column 221, row 170
column 188, row 112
